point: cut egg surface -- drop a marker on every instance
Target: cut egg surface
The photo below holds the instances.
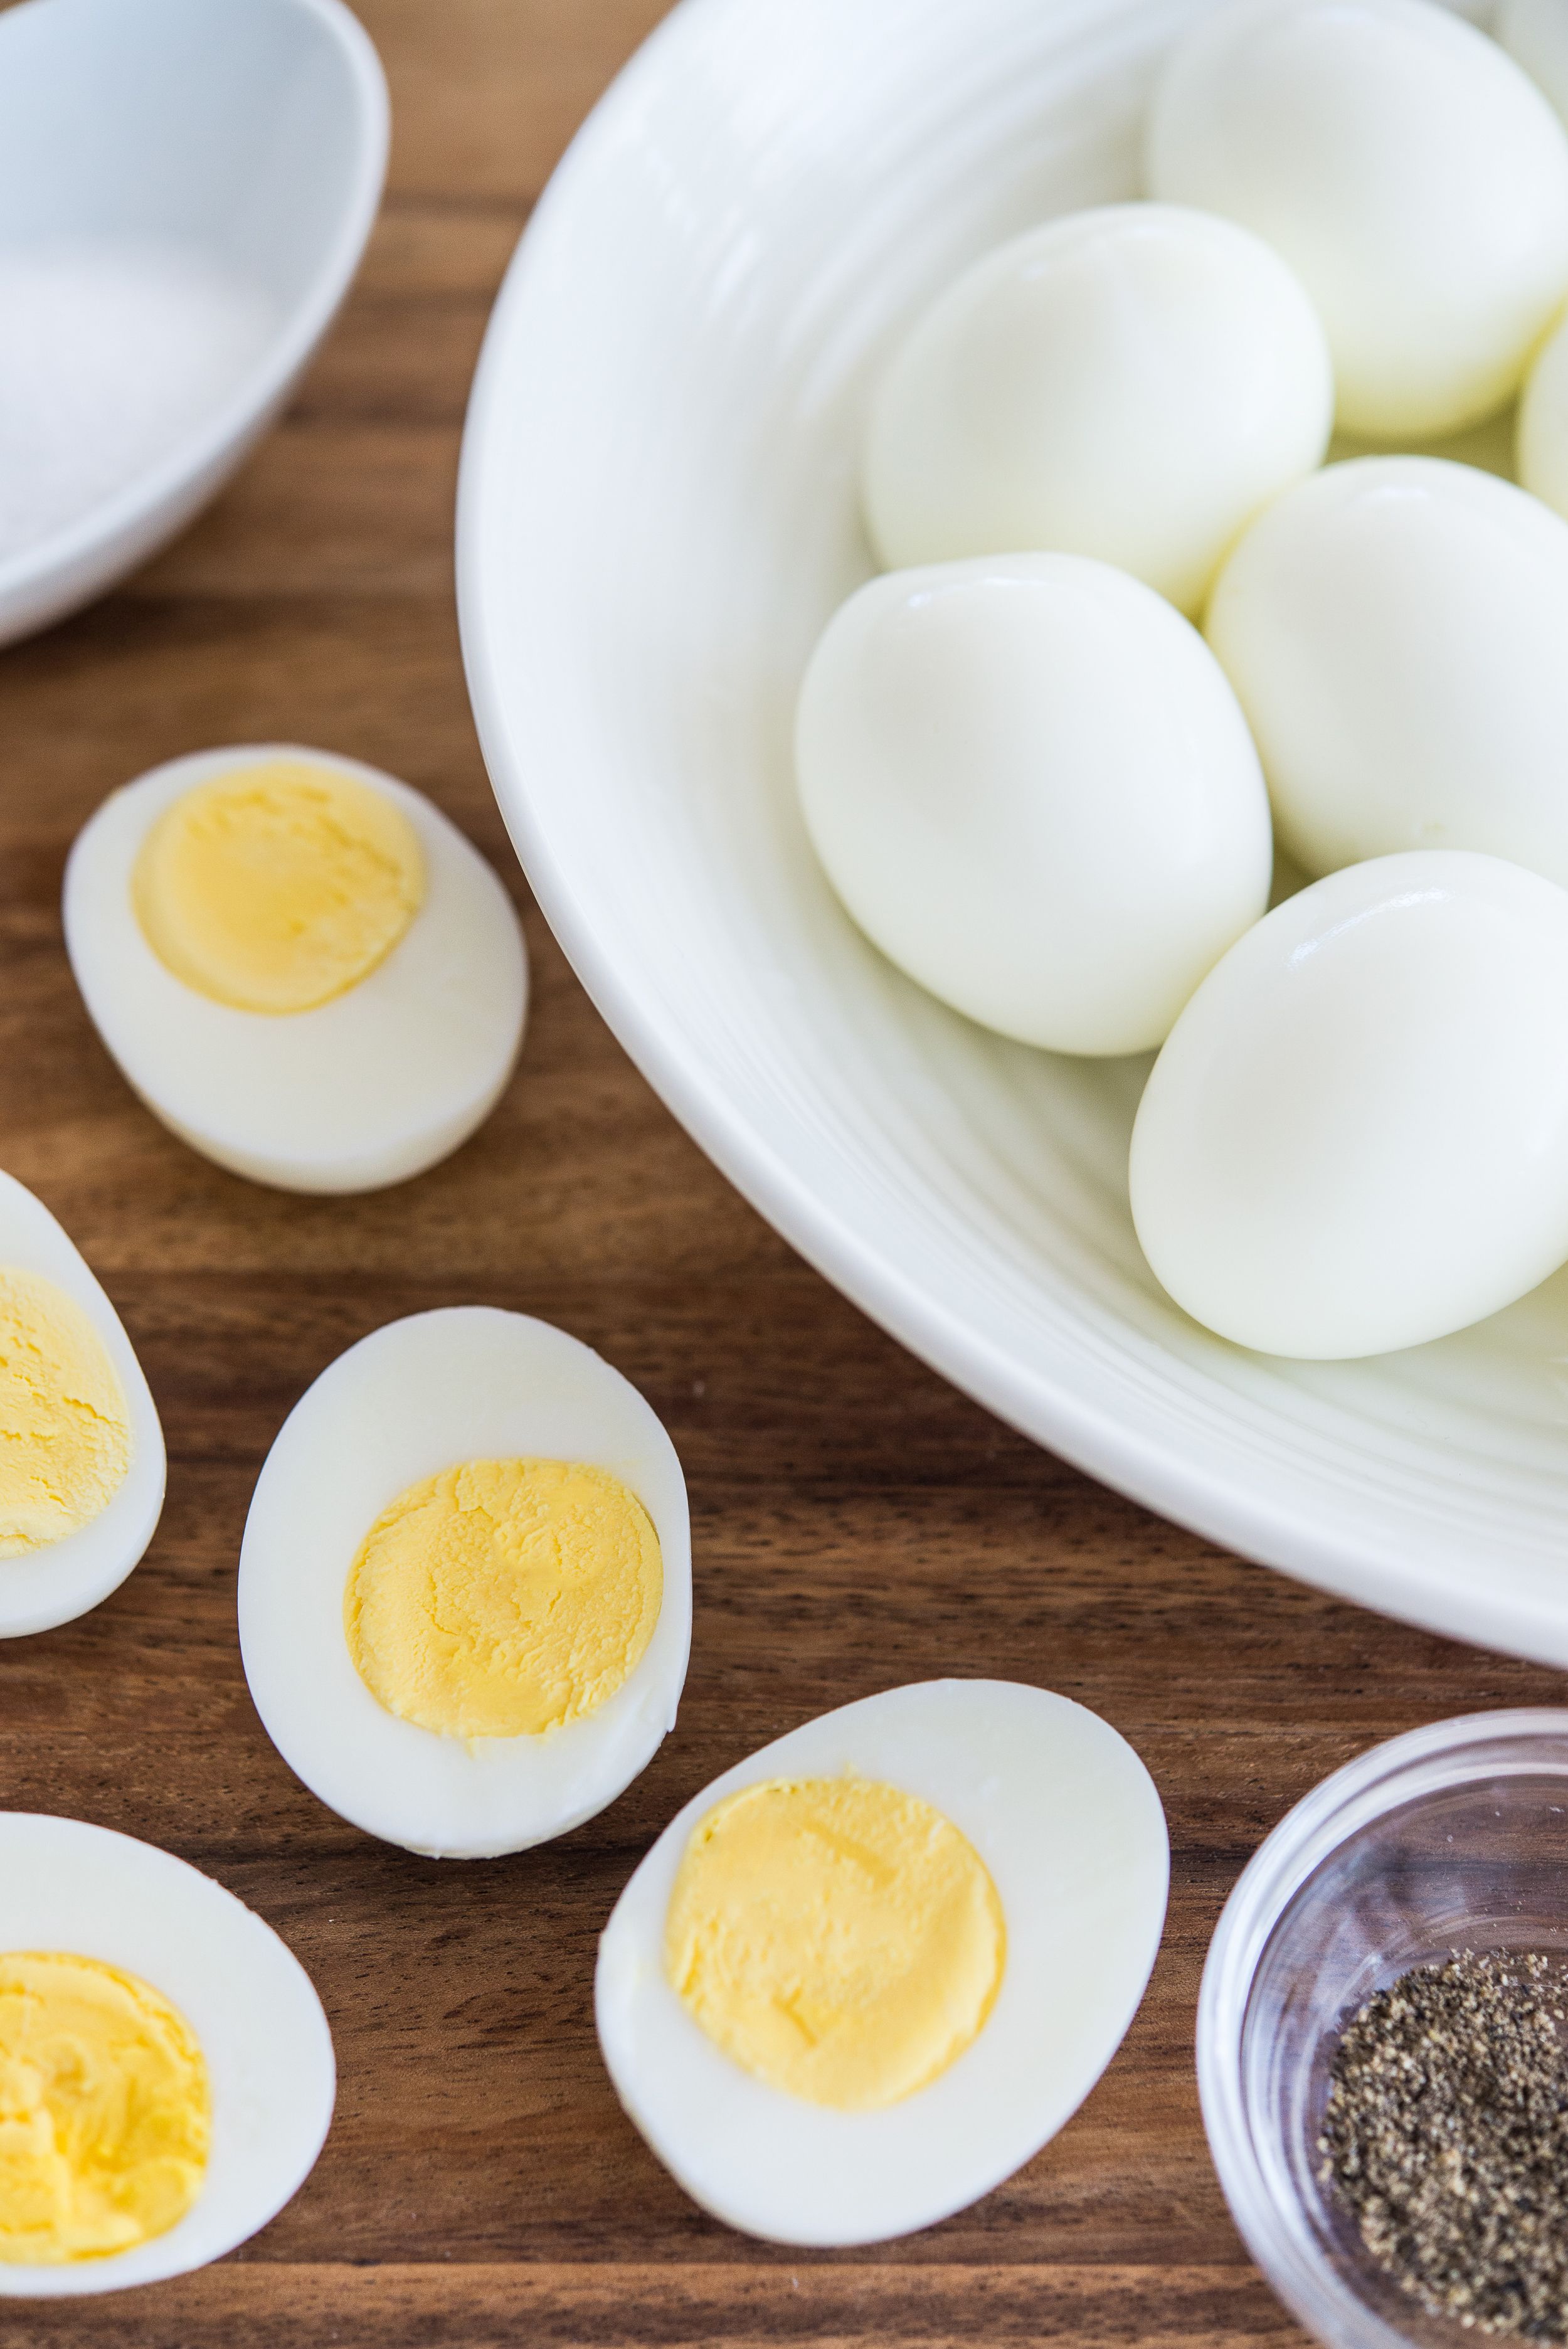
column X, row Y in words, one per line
column 168, row 2069
column 1032, row 787
column 1131, row 383
column 866, row 1974
column 464, row 1584
column 300, row 965
column 1355, row 1138
column 81, row 1451
column 1395, row 629
column 1407, row 169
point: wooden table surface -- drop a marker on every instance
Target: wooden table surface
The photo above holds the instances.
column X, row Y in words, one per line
column 856, row 1522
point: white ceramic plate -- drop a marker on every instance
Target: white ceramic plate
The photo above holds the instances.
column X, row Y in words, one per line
column 657, row 515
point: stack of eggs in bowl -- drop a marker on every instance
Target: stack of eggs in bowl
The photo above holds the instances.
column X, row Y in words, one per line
column 1052, row 802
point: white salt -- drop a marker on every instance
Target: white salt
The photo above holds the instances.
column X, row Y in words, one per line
column 111, row 357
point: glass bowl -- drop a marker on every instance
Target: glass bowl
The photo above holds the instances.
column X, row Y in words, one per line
column 1452, row 1837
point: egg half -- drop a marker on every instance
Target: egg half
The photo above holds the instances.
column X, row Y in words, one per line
column 81, row 1451
column 326, row 999
column 70, row 1890
column 980, row 1870
column 492, row 1461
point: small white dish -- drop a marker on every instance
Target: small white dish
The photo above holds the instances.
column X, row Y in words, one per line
column 657, row 516
column 186, row 187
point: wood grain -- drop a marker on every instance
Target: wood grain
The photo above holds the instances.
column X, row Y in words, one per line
column 856, row 1521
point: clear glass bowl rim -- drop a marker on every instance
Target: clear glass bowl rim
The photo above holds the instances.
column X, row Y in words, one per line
column 1423, row 1761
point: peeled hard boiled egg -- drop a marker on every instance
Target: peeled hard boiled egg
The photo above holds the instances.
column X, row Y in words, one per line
column 1396, row 630
column 867, row 1973
column 1415, row 179
column 1132, row 383
column 464, row 1584
column 300, row 965
column 81, row 1451
column 1356, row 1136
column 1543, row 432
column 1032, row 787
column 167, row 2068
column 1535, row 34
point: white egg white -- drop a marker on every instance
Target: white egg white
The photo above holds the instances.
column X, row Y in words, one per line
column 86, row 1891
column 465, row 1382
column 1395, row 628
column 1033, row 788
column 1415, row 179
column 362, row 1091
column 1355, row 1138
column 1067, row 1819
column 56, row 1584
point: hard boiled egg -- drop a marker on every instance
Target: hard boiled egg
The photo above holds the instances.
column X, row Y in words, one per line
column 168, row 2067
column 1030, row 784
column 1356, row 1136
column 1396, row 630
column 81, row 1451
column 1535, row 34
column 1543, row 430
column 1415, row 179
column 299, row 963
column 464, row 1584
column 1133, row 383
column 865, row 1974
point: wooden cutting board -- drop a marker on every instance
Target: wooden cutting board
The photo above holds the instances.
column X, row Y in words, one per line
column 856, row 1522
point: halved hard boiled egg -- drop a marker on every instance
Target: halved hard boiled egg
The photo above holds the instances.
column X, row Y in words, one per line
column 304, row 970
column 864, row 1975
column 81, row 1451
column 464, row 1584
column 166, row 2071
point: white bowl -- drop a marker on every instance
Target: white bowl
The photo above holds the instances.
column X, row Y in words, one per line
column 186, row 187
column 657, row 514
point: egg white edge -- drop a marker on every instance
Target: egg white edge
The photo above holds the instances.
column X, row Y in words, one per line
column 66, row 1885
column 105, row 941
column 68, row 1578
column 390, row 1777
column 792, row 2172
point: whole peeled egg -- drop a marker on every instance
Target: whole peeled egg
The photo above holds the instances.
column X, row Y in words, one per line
column 1132, row 383
column 1535, row 34
column 1031, row 786
column 1395, row 628
column 464, row 1584
column 300, row 965
column 1411, row 174
column 870, row 1970
column 81, row 1451
column 1355, row 1138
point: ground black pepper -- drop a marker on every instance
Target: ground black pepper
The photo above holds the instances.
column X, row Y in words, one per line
column 1445, row 2135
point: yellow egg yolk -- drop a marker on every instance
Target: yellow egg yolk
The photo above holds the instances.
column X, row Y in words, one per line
column 65, row 1427
column 503, row 1597
column 838, row 1938
column 105, row 2112
column 278, row 887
